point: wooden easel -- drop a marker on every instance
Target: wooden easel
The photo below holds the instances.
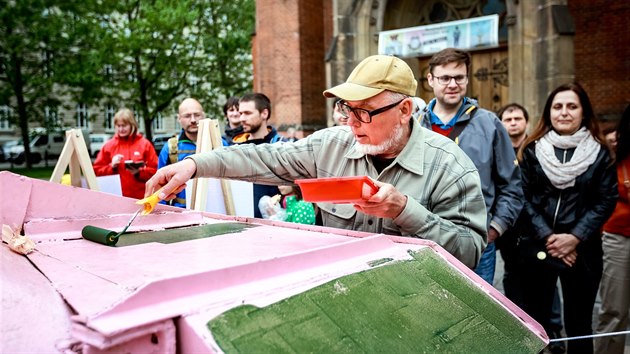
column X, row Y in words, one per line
column 75, row 155
column 209, row 138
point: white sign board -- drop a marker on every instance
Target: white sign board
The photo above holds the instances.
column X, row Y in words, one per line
column 107, row 184
column 242, row 195
column 472, row 33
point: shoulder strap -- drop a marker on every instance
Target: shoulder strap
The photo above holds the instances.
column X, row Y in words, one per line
column 459, row 127
column 276, row 138
column 172, row 149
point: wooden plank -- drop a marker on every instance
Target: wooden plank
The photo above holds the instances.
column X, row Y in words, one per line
column 75, row 156
column 63, row 161
column 215, row 137
column 200, row 185
column 83, row 157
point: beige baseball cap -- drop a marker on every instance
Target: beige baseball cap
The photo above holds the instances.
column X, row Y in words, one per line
column 374, row 75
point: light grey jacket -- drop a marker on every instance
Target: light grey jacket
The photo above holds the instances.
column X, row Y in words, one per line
column 445, row 203
column 487, row 143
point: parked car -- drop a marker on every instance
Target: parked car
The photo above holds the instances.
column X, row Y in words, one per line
column 97, row 141
column 5, row 154
column 159, row 140
column 43, row 146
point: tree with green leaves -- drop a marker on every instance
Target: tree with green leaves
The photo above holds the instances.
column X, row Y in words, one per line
column 38, row 39
column 142, row 54
column 162, row 50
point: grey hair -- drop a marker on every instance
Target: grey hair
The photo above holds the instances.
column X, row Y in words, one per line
column 395, row 96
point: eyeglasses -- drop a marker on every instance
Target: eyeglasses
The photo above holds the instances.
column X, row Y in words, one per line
column 446, row 79
column 363, row 115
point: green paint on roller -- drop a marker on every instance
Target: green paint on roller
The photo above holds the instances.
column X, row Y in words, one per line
column 412, row 306
column 98, row 235
column 103, row 236
column 167, row 236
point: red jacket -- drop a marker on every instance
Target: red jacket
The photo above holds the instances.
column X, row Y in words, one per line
column 619, row 221
column 135, row 148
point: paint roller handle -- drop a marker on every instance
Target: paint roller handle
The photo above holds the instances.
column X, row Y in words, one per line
column 149, row 203
column 171, row 178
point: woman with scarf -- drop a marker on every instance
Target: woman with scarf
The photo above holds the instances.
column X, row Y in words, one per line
column 570, row 187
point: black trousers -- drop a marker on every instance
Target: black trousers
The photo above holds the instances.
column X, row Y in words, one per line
column 513, row 272
column 579, row 290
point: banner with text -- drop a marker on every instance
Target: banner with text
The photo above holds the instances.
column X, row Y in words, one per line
column 472, row 33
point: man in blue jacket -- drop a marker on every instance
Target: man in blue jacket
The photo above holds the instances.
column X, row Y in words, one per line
column 483, row 138
column 177, row 148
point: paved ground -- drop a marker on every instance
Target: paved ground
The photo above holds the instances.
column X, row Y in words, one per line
column 498, row 283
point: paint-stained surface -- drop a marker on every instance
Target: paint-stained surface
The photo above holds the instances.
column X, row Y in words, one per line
column 178, row 269
column 411, row 306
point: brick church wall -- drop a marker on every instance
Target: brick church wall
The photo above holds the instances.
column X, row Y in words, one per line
column 289, row 61
column 602, row 53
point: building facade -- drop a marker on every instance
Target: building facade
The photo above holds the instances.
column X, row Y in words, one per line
column 302, row 47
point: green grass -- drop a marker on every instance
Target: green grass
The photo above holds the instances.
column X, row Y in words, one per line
column 35, row 172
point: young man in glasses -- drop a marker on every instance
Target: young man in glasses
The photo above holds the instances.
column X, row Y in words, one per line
column 427, row 187
column 483, row 138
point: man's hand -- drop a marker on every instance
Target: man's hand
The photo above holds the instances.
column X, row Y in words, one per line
column 172, row 179
column 387, row 202
column 492, row 234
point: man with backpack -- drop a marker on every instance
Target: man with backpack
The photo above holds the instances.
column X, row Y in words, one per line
column 177, row 148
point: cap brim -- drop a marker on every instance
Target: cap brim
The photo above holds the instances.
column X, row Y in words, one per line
column 352, row 92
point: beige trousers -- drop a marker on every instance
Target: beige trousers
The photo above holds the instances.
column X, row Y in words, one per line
column 614, row 291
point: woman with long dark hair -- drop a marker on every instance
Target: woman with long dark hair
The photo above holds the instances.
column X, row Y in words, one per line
column 614, row 289
column 570, row 188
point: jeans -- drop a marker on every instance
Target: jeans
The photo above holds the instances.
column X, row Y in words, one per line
column 487, row 263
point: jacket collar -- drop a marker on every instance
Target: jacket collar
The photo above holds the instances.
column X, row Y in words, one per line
column 244, row 137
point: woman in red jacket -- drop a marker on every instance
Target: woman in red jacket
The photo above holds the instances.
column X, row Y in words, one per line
column 127, row 154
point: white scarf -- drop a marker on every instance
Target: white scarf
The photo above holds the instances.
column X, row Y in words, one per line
column 562, row 175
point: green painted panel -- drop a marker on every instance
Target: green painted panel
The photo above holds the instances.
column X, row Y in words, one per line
column 411, row 306
column 181, row 234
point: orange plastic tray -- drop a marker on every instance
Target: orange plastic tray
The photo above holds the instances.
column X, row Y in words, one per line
column 335, row 190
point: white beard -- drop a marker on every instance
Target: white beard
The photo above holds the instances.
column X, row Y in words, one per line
column 383, row 147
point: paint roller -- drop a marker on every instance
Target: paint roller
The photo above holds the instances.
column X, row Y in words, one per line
column 109, row 237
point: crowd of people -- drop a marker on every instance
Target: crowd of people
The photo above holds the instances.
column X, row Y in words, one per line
column 554, row 201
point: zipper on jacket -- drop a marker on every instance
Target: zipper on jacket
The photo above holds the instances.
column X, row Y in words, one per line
column 555, row 214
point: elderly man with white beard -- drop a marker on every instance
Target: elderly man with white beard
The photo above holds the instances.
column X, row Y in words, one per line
column 427, row 187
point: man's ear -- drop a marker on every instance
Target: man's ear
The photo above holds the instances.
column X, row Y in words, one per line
column 264, row 114
column 406, row 109
column 430, row 79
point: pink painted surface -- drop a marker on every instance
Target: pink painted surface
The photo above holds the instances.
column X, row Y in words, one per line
column 33, row 317
column 156, row 338
column 117, row 293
